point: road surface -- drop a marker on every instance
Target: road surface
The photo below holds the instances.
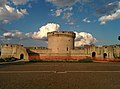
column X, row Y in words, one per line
column 60, row 76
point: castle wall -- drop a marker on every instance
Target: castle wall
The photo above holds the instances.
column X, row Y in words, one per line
column 116, row 51
column 61, row 47
column 74, row 54
column 48, row 54
column 17, row 51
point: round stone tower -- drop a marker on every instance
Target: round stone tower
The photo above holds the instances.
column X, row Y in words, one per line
column 61, row 41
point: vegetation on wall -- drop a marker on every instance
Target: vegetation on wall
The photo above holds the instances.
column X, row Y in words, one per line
column 86, row 60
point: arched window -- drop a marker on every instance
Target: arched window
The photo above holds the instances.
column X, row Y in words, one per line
column 104, row 55
column 93, row 54
column 21, row 56
column 67, row 48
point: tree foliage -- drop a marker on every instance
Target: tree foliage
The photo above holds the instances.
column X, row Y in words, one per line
column 118, row 37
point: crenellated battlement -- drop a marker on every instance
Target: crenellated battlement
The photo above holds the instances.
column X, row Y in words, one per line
column 11, row 45
column 61, row 33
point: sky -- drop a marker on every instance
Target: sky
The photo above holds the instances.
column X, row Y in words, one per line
column 28, row 21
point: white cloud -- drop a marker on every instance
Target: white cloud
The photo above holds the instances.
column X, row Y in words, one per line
column 42, row 33
column 68, row 9
column 29, row 35
column 7, row 34
column 28, row 41
column 107, row 18
column 20, row 2
column 67, row 15
column 8, row 13
column 15, row 34
column 12, row 34
column 108, row 9
column 86, row 20
column 9, row 9
column 58, row 12
column 64, row 13
column 70, row 23
column 84, row 38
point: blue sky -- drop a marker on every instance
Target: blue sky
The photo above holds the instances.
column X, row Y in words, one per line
column 27, row 21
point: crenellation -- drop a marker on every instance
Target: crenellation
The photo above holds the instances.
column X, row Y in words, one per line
column 61, row 33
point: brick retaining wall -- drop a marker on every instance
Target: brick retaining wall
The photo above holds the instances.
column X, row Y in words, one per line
column 72, row 58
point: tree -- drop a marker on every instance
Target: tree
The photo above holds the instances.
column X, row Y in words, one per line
column 118, row 37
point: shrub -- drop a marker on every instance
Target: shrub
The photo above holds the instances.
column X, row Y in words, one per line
column 2, row 60
column 86, row 60
column 10, row 59
column 35, row 60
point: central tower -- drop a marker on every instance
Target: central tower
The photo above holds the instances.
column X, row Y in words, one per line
column 61, row 41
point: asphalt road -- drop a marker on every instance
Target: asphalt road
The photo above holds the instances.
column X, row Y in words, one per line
column 60, row 76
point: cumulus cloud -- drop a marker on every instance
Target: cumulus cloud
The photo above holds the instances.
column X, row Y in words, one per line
column 15, row 34
column 107, row 18
column 84, row 38
column 23, row 39
column 42, row 33
column 8, row 13
column 11, row 36
column 7, row 34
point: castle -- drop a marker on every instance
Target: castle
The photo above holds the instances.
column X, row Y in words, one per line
column 61, row 47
